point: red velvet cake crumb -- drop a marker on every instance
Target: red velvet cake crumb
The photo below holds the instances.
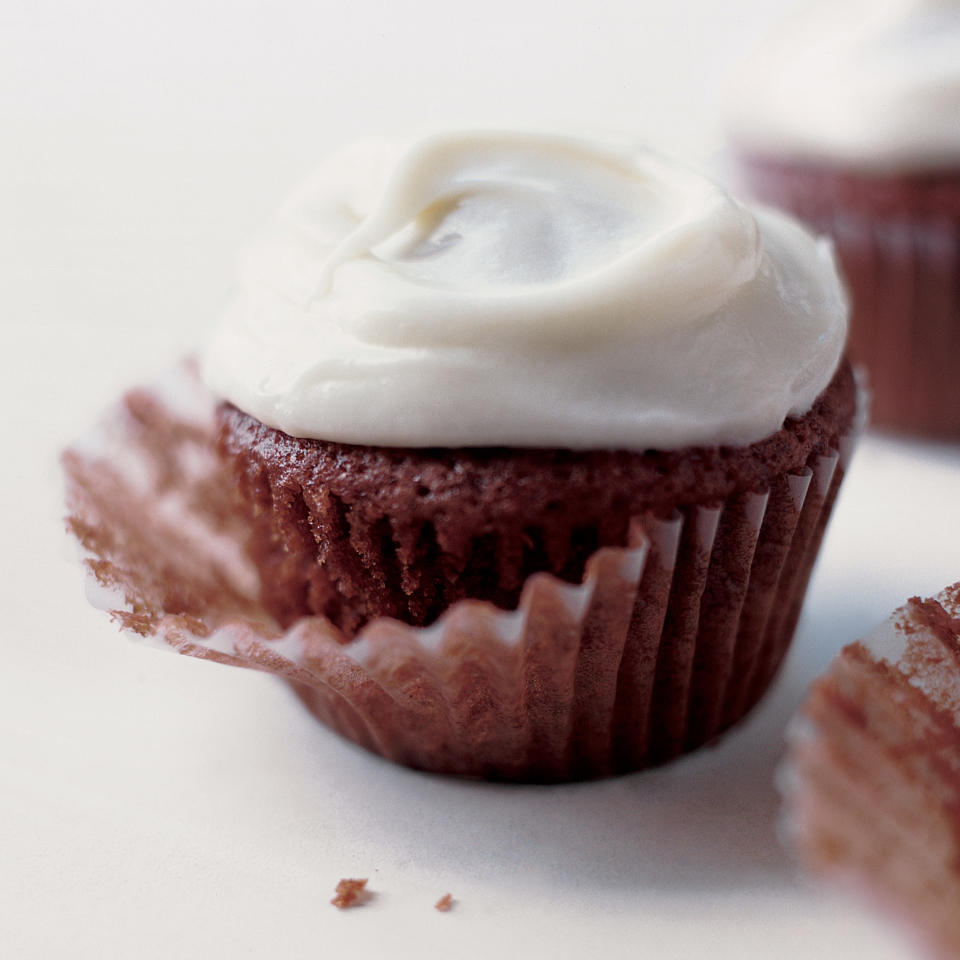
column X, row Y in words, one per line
column 351, row 893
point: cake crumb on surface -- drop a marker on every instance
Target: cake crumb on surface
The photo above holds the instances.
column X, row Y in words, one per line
column 351, row 893
column 444, row 903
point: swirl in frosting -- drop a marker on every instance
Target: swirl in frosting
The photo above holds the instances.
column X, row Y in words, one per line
column 873, row 84
column 477, row 289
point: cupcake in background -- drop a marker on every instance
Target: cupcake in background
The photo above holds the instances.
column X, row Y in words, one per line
column 850, row 119
column 535, row 440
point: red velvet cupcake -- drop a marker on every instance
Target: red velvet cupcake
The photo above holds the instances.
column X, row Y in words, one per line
column 849, row 121
column 533, row 440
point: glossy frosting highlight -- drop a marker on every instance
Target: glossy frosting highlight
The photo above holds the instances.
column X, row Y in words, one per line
column 473, row 289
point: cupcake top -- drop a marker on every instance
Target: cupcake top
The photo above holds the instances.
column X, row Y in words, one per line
column 871, row 84
column 506, row 289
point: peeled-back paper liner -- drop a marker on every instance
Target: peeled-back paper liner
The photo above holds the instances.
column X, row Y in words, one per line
column 898, row 241
column 667, row 641
column 871, row 781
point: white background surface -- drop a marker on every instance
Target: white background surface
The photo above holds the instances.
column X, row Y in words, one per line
column 156, row 806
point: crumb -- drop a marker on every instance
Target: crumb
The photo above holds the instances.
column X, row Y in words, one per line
column 444, row 903
column 351, row 893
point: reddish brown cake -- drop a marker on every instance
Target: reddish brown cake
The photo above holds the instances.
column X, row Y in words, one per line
column 898, row 239
column 873, row 791
column 352, row 533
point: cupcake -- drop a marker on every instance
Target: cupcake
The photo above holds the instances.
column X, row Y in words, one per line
column 873, row 776
column 533, row 442
column 850, row 121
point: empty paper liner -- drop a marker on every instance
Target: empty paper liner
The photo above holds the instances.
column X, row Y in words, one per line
column 872, row 780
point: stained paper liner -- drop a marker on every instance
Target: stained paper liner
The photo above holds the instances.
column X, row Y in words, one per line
column 898, row 240
column 872, row 779
column 668, row 640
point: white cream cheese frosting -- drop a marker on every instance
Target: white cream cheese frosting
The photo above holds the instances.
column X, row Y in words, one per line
column 473, row 289
column 869, row 83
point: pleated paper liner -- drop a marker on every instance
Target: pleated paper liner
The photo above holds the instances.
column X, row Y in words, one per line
column 667, row 642
column 898, row 240
column 872, row 779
